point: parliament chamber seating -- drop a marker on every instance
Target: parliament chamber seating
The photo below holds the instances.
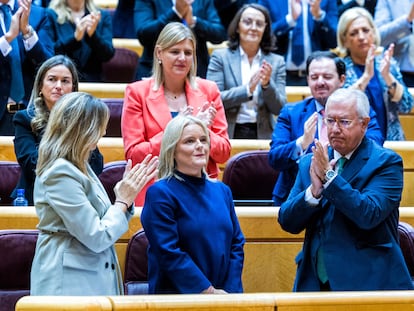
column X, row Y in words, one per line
column 17, row 248
column 406, row 234
column 136, row 265
column 115, row 110
column 9, row 176
column 121, row 67
column 111, row 174
column 250, row 178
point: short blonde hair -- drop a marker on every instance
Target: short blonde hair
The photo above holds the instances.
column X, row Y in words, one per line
column 345, row 21
column 170, row 139
column 76, row 123
column 172, row 34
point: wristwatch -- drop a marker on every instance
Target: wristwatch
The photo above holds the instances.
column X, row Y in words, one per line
column 329, row 175
column 29, row 33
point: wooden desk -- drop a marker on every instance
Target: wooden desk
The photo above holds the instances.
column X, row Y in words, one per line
column 269, row 250
column 312, row 301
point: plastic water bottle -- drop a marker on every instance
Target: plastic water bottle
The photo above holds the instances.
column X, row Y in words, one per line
column 20, row 200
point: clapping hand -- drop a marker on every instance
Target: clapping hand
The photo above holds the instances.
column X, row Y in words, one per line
column 385, row 64
column 265, row 73
column 309, row 130
column 315, row 8
column 207, row 113
column 319, row 165
column 135, row 178
column 94, row 19
column 26, row 6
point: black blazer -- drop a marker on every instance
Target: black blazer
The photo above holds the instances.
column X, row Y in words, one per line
column 89, row 53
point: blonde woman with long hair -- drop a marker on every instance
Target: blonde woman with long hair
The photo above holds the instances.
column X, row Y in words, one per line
column 78, row 224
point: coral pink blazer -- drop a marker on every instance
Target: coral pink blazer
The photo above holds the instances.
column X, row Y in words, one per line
column 146, row 113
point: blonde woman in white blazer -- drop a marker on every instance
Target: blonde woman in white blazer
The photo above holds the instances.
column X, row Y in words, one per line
column 78, row 224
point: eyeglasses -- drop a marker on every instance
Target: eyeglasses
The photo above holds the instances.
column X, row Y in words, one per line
column 248, row 22
column 342, row 123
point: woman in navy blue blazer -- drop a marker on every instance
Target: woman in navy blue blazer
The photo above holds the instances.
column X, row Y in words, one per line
column 84, row 33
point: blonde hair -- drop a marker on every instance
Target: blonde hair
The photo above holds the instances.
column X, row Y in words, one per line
column 64, row 12
column 172, row 135
column 345, row 21
column 170, row 35
column 76, row 123
column 37, row 107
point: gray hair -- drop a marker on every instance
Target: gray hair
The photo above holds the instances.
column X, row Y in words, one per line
column 351, row 95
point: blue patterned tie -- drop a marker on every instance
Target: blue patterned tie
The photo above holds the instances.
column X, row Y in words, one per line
column 298, row 54
column 17, row 87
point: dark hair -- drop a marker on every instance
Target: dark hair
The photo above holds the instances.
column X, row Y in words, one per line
column 339, row 63
column 268, row 43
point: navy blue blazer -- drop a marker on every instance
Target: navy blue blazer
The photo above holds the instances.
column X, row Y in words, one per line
column 322, row 33
column 89, row 53
column 289, row 127
column 40, row 21
column 26, row 145
column 151, row 16
column 356, row 222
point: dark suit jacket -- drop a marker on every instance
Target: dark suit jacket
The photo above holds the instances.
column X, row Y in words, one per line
column 123, row 20
column 289, row 127
column 89, row 53
column 26, row 145
column 356, row 222
column 322, row 34
column 151, row 16
column 368, row 5
column 225, row 69
column 40, row 21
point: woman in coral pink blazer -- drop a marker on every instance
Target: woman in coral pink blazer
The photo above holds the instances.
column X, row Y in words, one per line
column 173, row 88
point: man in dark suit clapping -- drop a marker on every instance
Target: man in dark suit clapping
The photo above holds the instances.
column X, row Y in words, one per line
column 25, row 42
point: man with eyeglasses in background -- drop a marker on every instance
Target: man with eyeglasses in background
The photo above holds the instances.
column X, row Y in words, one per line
column 298, row 124
column 301, row 27
column 346, row 196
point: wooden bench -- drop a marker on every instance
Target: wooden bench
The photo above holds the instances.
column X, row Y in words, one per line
column 269, row 250
column 317, row 301
column 64, row 303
